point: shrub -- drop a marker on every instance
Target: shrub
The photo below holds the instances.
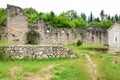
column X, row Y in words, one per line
column 79, row 42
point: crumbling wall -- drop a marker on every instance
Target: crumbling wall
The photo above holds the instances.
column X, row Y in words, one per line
column 18, row 27
column 96, row 35
column 17, row 23
column 38, row 52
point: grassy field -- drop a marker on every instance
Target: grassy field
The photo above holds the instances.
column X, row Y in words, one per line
column 56, row 69
column 108, row 66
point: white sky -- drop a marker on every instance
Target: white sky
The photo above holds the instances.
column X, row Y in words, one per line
column 111, row 7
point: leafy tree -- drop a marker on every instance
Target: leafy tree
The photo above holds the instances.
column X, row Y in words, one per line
column 71, row 14
column 82, row 15
column 102, row 14
column 61, row 21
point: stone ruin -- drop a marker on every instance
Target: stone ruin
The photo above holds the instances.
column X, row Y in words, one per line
column 19, row 31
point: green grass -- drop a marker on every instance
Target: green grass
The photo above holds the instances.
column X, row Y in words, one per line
column 4, row 42
column 67, row 70
column 108, row 66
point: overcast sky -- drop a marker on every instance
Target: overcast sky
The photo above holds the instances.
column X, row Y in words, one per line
column 111, row 7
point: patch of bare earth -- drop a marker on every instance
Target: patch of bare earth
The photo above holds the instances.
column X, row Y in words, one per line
column 92, row 68
column 47, row 69
column 14, row 70
column 48, row 75
column 38, row 77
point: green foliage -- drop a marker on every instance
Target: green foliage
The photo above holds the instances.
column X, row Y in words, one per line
column 83, row 16
column 106, row 23
column 103, row 24
column 68, row 19
column 32, row 14
column 2, row 16
column 71, row 14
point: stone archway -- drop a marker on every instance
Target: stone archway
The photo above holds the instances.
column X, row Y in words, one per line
column 32, row 37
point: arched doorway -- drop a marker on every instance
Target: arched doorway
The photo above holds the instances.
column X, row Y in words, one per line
column 33, row 37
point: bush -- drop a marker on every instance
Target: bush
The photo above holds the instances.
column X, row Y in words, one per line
column 79, row 42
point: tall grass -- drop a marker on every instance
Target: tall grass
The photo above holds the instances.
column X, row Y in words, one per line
column 108, row 65
column 3, row 43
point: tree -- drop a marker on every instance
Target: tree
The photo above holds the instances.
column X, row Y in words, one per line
column 91, row 18
column 82, row 15
column 97, row 19
column 116, row 17
column 102, row 14
column 61, row 21
column 113, row 19
column 71, row 14
column 108, row 17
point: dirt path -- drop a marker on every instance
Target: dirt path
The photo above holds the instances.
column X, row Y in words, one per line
column 92, row 67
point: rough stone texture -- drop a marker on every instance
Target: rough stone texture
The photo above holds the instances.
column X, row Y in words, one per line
column 114, row 38
column 2, row 32
column 39, row 52
column 17, row 29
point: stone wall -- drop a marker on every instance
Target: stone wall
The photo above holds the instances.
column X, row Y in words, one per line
column 18, row 27
column 114, row 38
column 39, row 52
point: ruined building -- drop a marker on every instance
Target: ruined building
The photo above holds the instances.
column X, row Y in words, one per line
column 48, row 39
column 21, row 32
column 114, row 38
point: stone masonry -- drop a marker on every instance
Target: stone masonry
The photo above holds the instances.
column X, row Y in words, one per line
column 39, row 52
